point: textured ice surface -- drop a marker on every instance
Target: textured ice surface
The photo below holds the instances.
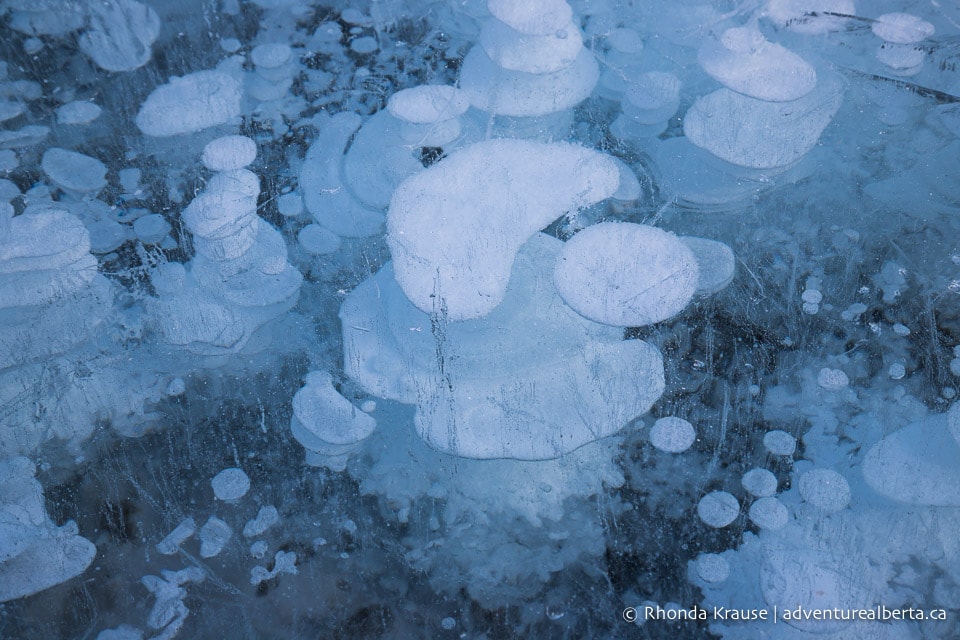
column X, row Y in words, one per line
column 155, row 329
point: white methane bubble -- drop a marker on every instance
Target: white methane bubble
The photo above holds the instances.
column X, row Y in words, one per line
column 230, row 484
column 718, row 509
column 673, row 435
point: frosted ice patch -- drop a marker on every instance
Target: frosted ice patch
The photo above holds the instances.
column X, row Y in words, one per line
column 8, row 190
column 825, row 489
column 171, row 543
column 903, row 58
column 902, row 28
column 283, row 562
column 78, row 112
column 629, row 189
column 120, row 34
column 953, row 421
column 780, row 443
column 123, row 632
column 214, row 535
column 324, row 193
column 35, row 554
column 510, row 394
column 536, row 17
column 258, row 549
column 769, row 513
column 428, row 103
column 654, row 97
column 918, row 464
column 718, row 509
column 762, row 135
column 318, row 241
column 10, row 109
column 832, row 379
column 290, row 205
column 626, row 274
column 759, row 483
column 516, row 93
column 672, row 435
column 514, row 51
column 811, row 296
column 230, row 484
column 74, row 171
column 811, row 16
column 453, row 229
column 746, row 62
column 364, row 44
column 271, row 55
column 27, row 136
column 626, row 41
column 807, row 579
column 229, row 153
column 267, row 517
column 8, row 160
column 328, row 425
column 151, row 229
column 716, row 264
column 190, row 103
column 712, row 567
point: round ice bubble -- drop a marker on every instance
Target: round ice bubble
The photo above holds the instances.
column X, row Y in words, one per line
column 290, row 205
column 428, row 103
column 832, row 379
column 317, row 240
column 230, row 484
column 539, row 18
column 176, row 387
column 718, row 509
column 902, row 28
column 74, row 171
column 625, row 274
column 271, row 55
column 769, row 513
column 672, row 435
column 712, row 567
column 780, row 443
column 759, row 483
column 229, row 153
column 825, row 489
column 151, row 229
